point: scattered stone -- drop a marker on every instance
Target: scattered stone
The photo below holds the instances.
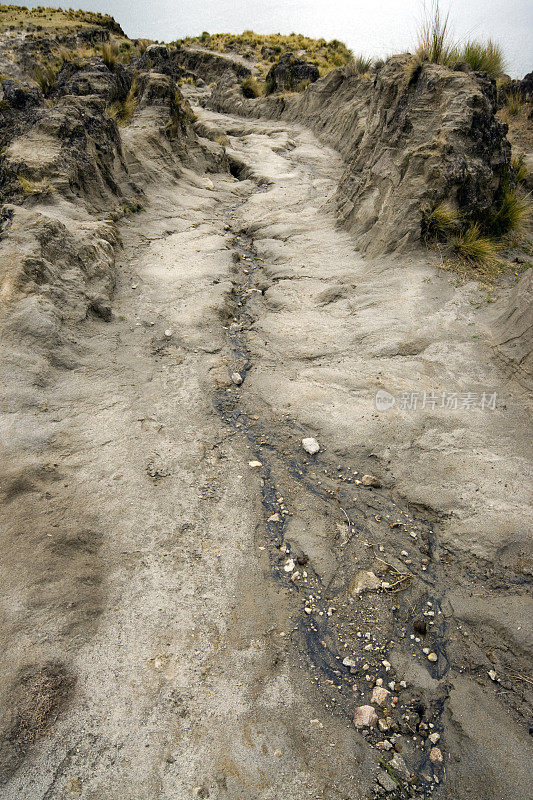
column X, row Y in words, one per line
column 310, row 445
column 236, row 378
column 435, row 755
column 492, row 675
column 365, row 717
column 274, row 518
column 315, row 723
column 289, row 565
column 168, row 333
column 386, row 664
column 434, row 737
column 386, row 782
column 371, row 480
column 383, row 725
column 365, row 581
column 379, row 695
column 349, row 662
column 399, row 764
column 255, row 464
column 433, row 657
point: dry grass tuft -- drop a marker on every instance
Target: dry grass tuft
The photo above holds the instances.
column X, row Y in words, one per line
column 251, row 87
column 122, row 111
column 440, row 222
column 483, row 57
column 475, row 248
column 42, row 188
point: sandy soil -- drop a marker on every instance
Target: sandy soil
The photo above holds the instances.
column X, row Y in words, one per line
column 204, row 606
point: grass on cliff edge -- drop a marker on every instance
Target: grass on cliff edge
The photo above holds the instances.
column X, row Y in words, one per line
column 53, row 18
column 265, row 49
column 436, row 45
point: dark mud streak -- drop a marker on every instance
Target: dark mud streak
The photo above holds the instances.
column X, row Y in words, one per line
column 314, row 636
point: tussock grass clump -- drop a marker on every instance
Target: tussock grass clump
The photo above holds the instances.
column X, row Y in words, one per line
column 110, row 53
column 42, row 188
column 45, row 75
column 251, row 87
column 440, row 222
column 519, row 167
column 360, row 65
column 437, row 46
column 122, row 111
column 482, row 57
column 434, row 37
column 514, row 103
column 475, row 248
column 510, row 216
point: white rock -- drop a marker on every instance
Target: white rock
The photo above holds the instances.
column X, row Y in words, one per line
column 434, row 737
column 168, row 332
column 435, row 755
column 365, row 717
column 236, row 378
column 310, row 445
column 255, row 464
column 433, row 657
column 371, row 480
column 379, row 695
column 365, row 580
column 349, row 662
column 492, row 675
column 289, row 565
column 398, row 763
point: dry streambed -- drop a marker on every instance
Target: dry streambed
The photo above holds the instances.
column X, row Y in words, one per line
column 252, row 620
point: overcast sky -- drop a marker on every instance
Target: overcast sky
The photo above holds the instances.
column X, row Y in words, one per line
column 371, row 27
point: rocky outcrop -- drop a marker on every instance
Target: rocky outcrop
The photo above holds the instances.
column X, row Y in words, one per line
column 290, row 73
column 411, row 137
column 523, row 88
column 209, row 66
column 93, row 78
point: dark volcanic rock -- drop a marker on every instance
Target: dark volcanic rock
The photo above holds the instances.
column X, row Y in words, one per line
column 20, row 96
column 94, row 78
column 289, row 73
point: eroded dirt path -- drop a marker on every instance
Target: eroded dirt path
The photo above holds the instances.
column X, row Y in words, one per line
column 215, row 609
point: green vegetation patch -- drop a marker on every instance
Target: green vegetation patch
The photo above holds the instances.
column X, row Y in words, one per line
column 265, row 49
column 42, row 17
